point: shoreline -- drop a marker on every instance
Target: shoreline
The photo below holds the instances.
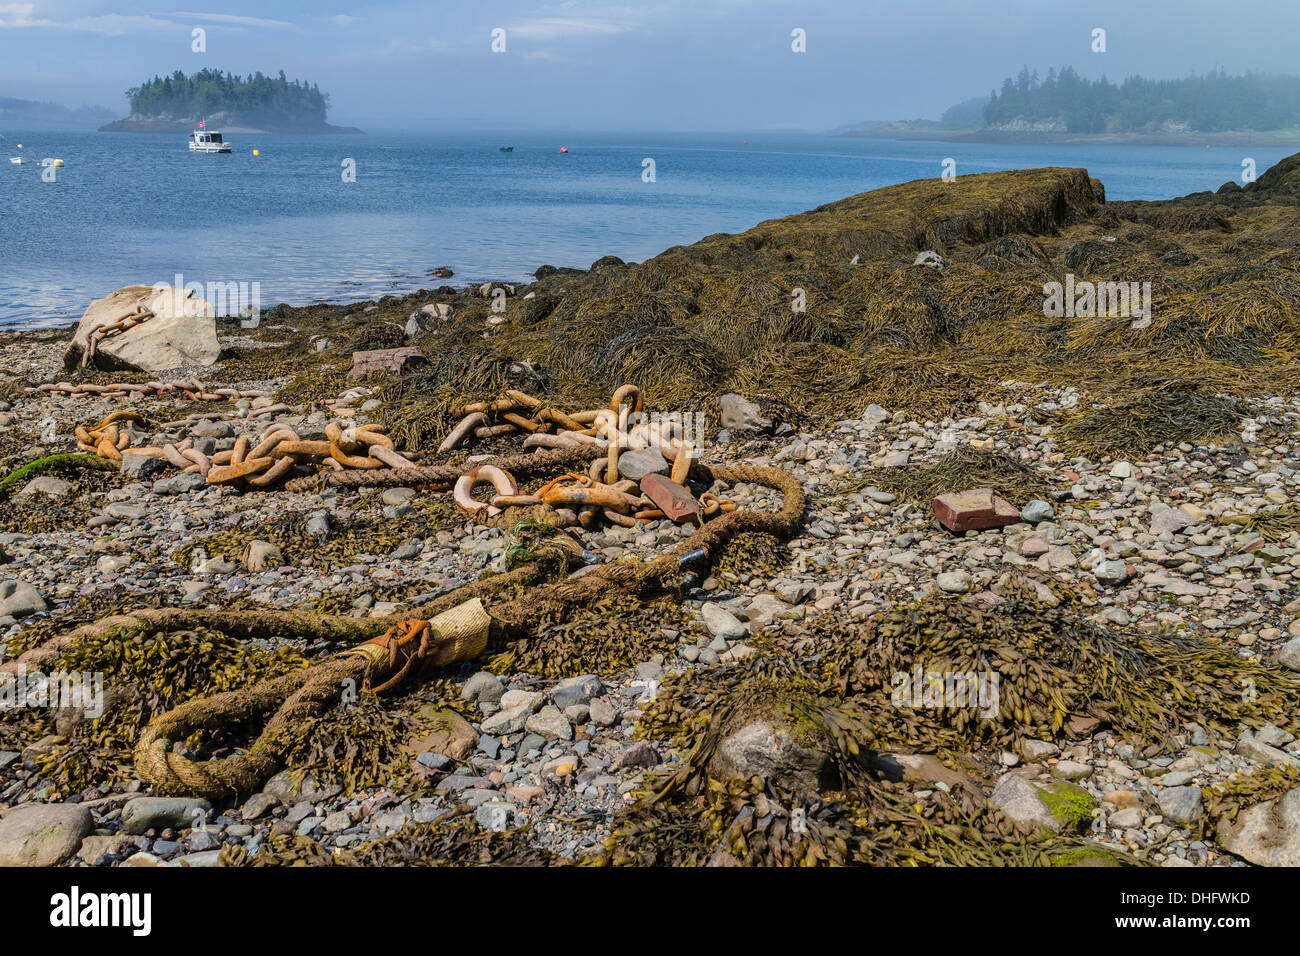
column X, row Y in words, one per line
column 1029, row 138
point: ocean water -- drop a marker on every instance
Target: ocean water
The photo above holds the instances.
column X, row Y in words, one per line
column 139, row 208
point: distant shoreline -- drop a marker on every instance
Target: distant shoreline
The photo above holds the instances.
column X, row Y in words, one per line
column 1274, row 138
column 129, row 125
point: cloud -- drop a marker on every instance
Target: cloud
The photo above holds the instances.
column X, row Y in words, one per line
column 230, row 19
column 19, row 15
column 343, row 20
column 556, row 28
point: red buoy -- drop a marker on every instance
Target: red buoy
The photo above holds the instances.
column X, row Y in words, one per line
column 564, row 149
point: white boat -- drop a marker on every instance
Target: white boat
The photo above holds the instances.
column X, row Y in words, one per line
column 208, row 141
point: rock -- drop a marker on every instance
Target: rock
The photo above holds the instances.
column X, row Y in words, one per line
column 1034, row 750
column 508, row 720
column 722, row 623
column 953, row 582
column 1113, row 573
column 1252, row 749
column 313, row 789
column 263, row 555
column 760, row 750
column 636, row 464
column 1172, row 520
column 47, row 485
column 159, row 813
column 448, row 733
column 929, row 258
column 1180, row 804
column 256, row 805
column 141, row 466
column 549, row 722
column 1055, row 806
column 483, row 687
column 875, row 414
column 1036, row 512
column 1126, row 819
column 602, row 713
column 974, row 510
column 19, row 599
column 94, row 846
column 494, row 816
column 1274, row 736
column 740, row 414
column 439, row 762
column 1121, row 469
column 181, row 333
column 397, row 361
column 42, row 834
column 640, row 754
column 1267, row 834
column 1071, row 770
column 1288, row 655
column 576, row 690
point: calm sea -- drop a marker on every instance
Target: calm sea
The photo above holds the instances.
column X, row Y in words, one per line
column 139, row 208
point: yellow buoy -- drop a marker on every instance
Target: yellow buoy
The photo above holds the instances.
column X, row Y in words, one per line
column 257, row 152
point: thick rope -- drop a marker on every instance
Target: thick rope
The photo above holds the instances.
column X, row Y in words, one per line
column 413, row 647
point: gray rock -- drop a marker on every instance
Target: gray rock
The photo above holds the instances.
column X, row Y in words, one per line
column 437, row 761
column 740, row 414
column 760, row 750
column 602, row 713
column 549, row 722
column 722, row 623
column 484, row 687
column 263, row 555
column 508, row 721
column 638, row 463
column 313, row 789
column 1267, row 834
column 1034, row 750
column 1113, row 573
column 47, row 485
column 1022, row 804
column 141, row 466
column 1289, row 655
column 159, row 813
column 19, row 598
column 576, row 690
column 929, row 258
column 1274, row 736
column 640, row 754
column 1037, row 511
column 258, row 804
column 953, row 582
column 1126, row 819
column 1174, row 519
column 494, row 816
column 1180, row 804
column 42, row 834
column 1261, row 753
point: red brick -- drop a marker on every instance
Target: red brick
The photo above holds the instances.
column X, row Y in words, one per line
column 974, row 510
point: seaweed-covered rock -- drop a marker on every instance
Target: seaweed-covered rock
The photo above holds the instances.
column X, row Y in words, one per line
column 762, row 750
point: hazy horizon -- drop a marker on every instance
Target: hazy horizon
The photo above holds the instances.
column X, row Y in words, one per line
column 607, row 65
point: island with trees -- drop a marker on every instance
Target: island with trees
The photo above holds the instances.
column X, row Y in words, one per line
column 254, row 103
column 1064, row 106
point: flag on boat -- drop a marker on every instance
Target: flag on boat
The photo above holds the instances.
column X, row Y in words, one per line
column 201, row 122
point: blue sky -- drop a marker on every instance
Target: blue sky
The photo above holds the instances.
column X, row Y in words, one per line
column 613, row 64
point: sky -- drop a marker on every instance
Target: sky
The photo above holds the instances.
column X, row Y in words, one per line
column 685, row 65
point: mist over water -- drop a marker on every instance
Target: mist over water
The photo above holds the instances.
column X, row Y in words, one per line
column 139, row 208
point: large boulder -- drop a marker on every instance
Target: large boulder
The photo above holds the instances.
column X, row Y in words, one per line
column 1267, row 834
column 42, row 834
column 182, row 331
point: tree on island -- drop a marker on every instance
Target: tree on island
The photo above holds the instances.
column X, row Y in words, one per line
column 1212, row 102
column 256, row 100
